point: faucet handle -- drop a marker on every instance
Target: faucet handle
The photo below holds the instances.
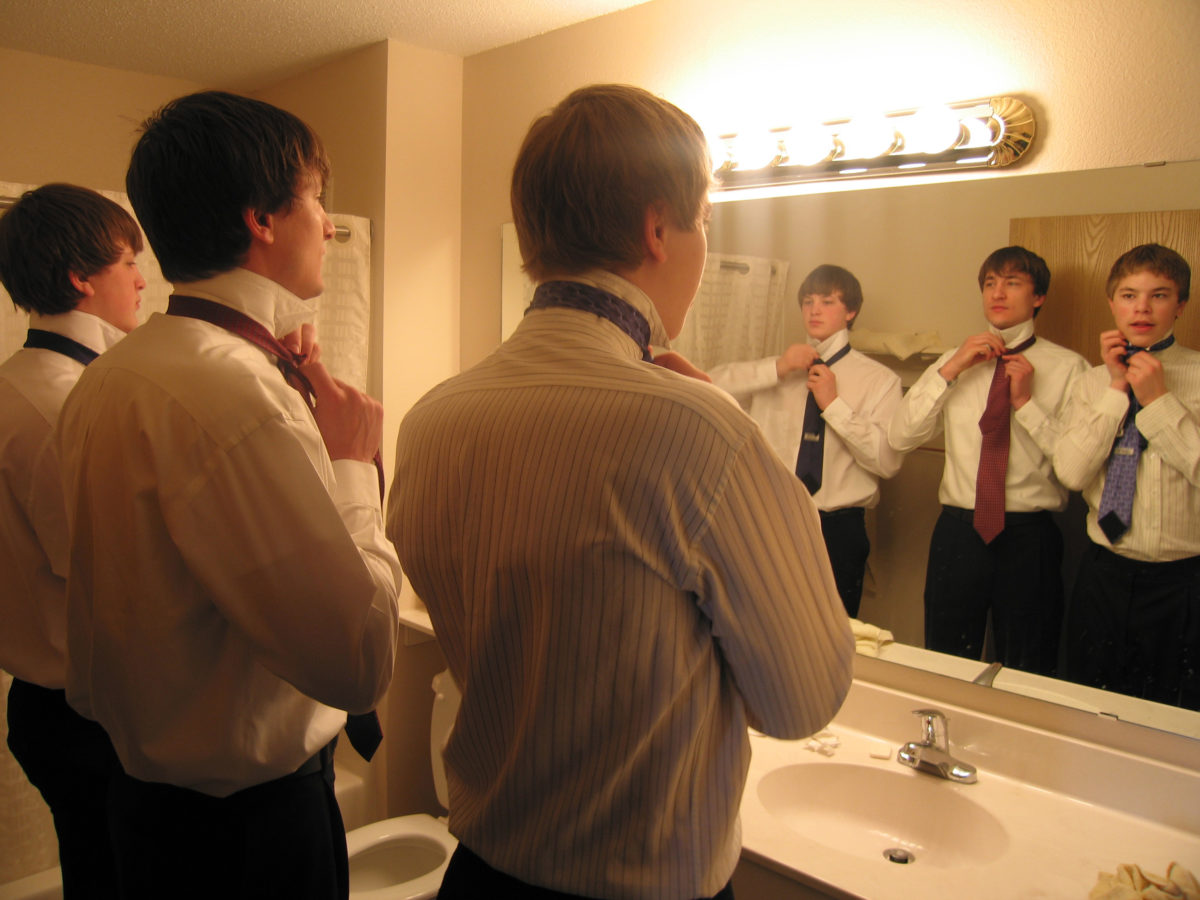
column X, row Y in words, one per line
column 934, row 728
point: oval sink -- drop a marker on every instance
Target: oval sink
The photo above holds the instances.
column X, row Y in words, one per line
column 863, row 811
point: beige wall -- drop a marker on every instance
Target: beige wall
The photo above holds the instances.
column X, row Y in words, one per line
column 1086, row 67
column 390, row 115
column 66, row 121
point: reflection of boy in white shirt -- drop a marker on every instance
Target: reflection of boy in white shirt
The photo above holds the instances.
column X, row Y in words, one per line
column 1006, row 558
column 1134, row 623
column 856, row 397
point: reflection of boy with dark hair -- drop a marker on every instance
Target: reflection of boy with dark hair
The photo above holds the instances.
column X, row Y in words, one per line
column 231, row 590
column 825, row 408
column 1133, row 448
column 66, row 258
column 995, row 546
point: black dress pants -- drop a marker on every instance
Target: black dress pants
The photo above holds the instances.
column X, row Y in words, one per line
column 1018, row 577
column 468, row 877
column 1134, row 627
column 283, row 839
column 846, row 542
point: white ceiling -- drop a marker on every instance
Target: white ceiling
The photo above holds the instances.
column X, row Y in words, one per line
column 247, row 44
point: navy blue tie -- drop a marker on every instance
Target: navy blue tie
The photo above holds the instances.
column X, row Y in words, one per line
column 810, row 461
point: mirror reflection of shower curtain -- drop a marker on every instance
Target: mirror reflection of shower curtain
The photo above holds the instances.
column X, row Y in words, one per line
column 738, row 311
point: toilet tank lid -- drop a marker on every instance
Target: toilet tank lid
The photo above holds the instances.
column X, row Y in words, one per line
column 446, row 699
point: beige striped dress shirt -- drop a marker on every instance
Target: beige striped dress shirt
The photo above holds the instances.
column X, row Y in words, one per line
column 622, row 575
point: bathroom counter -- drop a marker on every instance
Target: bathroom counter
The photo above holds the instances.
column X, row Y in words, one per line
column 1047, row 815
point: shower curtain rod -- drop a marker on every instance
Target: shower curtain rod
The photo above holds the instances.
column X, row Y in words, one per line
column 341, row 232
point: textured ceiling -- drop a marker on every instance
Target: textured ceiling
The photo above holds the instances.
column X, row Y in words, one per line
column 246, row 44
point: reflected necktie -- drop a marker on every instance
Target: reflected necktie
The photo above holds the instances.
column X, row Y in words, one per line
column 363, row 729
column 810, row 461
column 994, row 427
column 1115, row 512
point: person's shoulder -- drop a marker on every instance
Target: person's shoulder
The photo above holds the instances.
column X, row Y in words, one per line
column 866, row 364
column 1058, row 354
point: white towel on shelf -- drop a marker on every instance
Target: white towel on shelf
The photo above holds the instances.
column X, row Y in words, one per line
column 1130, row 882
column 868, row 639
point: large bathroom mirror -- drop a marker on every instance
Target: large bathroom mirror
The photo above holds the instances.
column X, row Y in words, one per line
column 916, row 248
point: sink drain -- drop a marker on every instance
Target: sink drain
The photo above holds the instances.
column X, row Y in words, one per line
column 899, row 855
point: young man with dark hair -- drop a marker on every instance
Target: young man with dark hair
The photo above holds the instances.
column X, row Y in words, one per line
column 1133, row 449
column 796, row 395
column 231, row 591
column 66, row 258
column 999, row 398
column 621, row 572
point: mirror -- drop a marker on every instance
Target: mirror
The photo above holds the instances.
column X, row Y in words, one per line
column 916, row 249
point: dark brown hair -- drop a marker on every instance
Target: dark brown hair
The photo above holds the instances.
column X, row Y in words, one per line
column 1162, row 261
column 830, row 279
column 1018, row 259
column 56, row 231
column 588, row 171
column 201, row 162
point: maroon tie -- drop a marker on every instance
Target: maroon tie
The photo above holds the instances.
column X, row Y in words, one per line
column 363, row 729
column 993, row 454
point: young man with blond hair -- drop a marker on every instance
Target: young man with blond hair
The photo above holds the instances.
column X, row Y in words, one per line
column 66, row 258
column 620, row 571
column 1133, row 449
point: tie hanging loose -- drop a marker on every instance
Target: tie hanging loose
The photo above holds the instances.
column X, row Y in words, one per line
column 994, row 428
column 810, row 461
column 1115, row 512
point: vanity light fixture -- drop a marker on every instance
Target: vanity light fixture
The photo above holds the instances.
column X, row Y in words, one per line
column 969, row 135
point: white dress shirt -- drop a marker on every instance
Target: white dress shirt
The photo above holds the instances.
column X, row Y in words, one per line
column 856, row 453
column 33, row 526
column 1166, row 504
column 622, row 576
column 231, row 591
column 932, row 406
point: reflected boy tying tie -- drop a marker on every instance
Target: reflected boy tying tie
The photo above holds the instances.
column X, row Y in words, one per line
column 1133, row 448
column 995, row 546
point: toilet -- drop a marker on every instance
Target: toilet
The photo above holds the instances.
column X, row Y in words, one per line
column 404, row 858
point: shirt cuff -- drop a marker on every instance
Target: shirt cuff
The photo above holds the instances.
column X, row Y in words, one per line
column 357, row 481
column 838, row 412
column 1163, row 414
column 1030, row 416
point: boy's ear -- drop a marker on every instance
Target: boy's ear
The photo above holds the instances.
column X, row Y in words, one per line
column 260, row 224
column 850, row 314
column 654, row 233
column 82, row 285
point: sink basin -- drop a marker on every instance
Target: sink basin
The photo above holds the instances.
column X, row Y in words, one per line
column 865, row 810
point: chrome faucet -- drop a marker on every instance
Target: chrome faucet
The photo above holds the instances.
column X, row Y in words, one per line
column 932, row 753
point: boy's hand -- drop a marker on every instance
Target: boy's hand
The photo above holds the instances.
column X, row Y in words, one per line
column 1144, row 372
column 350, row 422
column 822, row 384
column 1020, row 379
column 796, row 358
column 1112, row 352
column 303, row 343
column 972, row 351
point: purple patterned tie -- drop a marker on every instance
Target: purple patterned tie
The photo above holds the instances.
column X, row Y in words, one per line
column 1115, row 513
column 576, row 295
column 994, row 430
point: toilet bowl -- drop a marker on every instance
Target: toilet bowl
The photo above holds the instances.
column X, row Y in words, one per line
column 404, row 858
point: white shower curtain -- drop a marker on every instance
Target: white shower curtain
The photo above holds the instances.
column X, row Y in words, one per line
column 737, row 313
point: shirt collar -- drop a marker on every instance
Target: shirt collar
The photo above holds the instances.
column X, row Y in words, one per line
column 271, row 305
column 87, row 329
column 1015, row 335
column 831, row 344
column 630, row 293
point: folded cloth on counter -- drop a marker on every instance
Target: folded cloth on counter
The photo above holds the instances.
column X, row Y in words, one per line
column 901, row 345
column 869, row 638
column 1129, row 882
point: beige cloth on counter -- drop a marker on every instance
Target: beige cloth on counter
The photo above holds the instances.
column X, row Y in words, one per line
column 869, row 638
column 1131, row 883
